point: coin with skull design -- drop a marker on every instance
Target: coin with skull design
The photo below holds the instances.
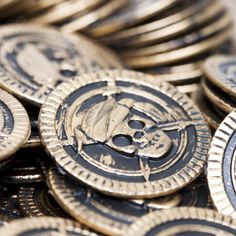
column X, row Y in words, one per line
column 14, row 125
column 122, row 135
column 44, row 226
column 221, row 167
column 36, row 59
column 113, row 216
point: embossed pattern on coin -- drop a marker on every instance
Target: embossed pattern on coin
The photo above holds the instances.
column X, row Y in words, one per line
column 34, row 60
column 14, row 125
column 132, row 131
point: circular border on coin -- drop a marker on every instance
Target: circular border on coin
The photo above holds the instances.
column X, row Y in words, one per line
column 21, row 126
column 59, row 225
column 111, row 186
column 220, row 166
column 162, row 223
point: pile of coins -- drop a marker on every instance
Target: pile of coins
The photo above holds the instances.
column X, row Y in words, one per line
column 89, row 146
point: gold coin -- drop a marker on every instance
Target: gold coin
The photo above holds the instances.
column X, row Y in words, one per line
column 181, row 27
column 213, row 119
column 80, row 23
column 220, row 70
column 118, row 133
column 200, row 35
column 183, row 221
column 14, row 125
column 113, row 216
column 218, row 97
column 221, row 167
column 135, row 12
column 34, row 60
column 188, row 88
column 196, row 49
column 183, row 12
column 44, row 226
column 65, row 10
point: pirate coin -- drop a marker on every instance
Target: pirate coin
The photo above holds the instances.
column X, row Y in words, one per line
column 221, row 167
column 124, row 136
column 36, row 59
column 114, row 216
column 14, row 125
column 183, row 221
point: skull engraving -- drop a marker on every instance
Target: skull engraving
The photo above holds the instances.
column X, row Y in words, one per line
column 120, row 127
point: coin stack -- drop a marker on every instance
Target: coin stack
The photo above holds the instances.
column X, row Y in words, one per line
column 216, row 97
column 88, row 147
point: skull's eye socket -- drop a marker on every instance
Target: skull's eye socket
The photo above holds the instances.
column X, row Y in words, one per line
column 136, row 124
column 122, row 140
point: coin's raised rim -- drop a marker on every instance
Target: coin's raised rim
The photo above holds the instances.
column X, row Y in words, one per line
column 149, row 189
column 20, row 226
column 21, row 128
column 211, row 69
column 147, row 222
column 215, row 164
column 76, row 39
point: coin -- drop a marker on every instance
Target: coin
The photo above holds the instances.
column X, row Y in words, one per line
column 177, row 55
column 79, row 23
column 206, row 108
column 64, row 11
column 36, row 59
column 183, row 41
column 220, row 99
column 44, row 226
column 37, row 201
column 221, row 167
column 114, row 216
column 14, row 125
column 188, row 88
column 180, row 12
column 131, row 151
column 135, row 12
column 220, row 70
column 184, row 221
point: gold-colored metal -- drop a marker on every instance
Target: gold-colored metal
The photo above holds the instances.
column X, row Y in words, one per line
column 218, row 97
column 127, row 34
column 46, row 58
column 44, row 226
column 14, row 125
column 65, row 10
column 220, row 70
column 200, row 35
column 178, row 28
column 106, row 122
column 135, row 12
column 221, row 167
column 180, row 54
column 80, row 23
column 180, row 220
column 188, row 88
